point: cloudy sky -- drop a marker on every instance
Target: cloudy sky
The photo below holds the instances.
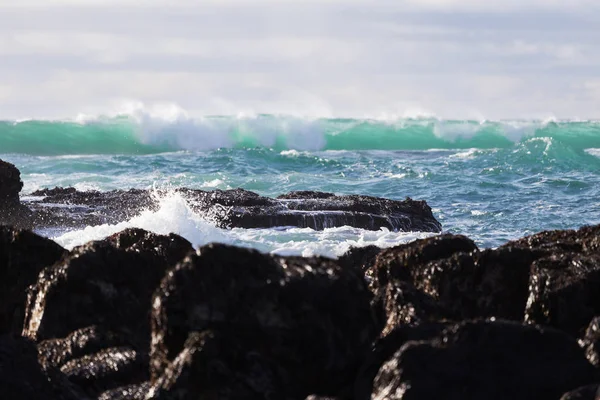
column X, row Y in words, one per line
column 452, row 58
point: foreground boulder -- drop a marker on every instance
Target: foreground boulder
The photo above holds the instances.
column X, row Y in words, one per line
column 23, row 255
column 91, row 311
column 107, row 283
column 235, row 323
column 565, row 291
column 589, row 392
column 486, row 360
column 21, row 377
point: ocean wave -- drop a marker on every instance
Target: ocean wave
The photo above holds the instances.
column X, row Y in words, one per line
column 141, row 130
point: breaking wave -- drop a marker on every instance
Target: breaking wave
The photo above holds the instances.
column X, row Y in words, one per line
column 143, row 131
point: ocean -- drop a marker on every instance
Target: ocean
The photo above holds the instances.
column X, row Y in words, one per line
column 490, row 180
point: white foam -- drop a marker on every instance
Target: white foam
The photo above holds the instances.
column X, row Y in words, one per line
column 593, row 152
column 215, row 183
column 175, row 215
column 468, row 154
column 171, row 125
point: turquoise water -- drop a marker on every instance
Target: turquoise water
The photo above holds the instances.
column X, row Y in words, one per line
column 493, row 181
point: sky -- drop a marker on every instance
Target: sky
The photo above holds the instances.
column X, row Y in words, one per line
column 477, row 59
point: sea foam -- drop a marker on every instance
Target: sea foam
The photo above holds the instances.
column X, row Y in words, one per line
column 175, row 216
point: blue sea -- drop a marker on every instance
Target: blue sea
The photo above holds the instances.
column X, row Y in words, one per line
column 491, row 180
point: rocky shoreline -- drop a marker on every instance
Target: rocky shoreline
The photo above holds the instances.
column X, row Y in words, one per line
column 144, row 316
column 237, row 208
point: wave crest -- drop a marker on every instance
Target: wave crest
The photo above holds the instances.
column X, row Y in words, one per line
column 138, row 129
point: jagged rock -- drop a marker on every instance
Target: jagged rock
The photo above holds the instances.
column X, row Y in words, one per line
column 239, row 208
column 386, row 347
column 109, row 368
column 397, row 293
column 564, row 291
column 12, row 212
column 288, row 326
column 73, row 208
column 486, row 360
column 21, row 377
column 10, row 184
column 589, row 392
column 481, row 284
column 316, row 210
column 54, row 353
column 584, row 240
column 361, row 257
column 591, row 342
column 23, row 255
column 106, row 283
column 97, row 298
column 254, row 377
column 131, row 392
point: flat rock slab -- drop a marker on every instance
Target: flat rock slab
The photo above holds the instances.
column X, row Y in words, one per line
column 237, row 208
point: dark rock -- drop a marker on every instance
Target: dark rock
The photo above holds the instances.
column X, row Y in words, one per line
column 254, row 377
column 12, row 212
column 131, row 392
column 285, row 326
column 486, row 360
column 23, row 255
column 591, row 342
column 386, row 347
column 564, row 291
column 589, row 392
column 306, row 194
column 54, row 353
column 482, row 284
column 585, row 240
column 360, row 257
column 95, row 373
column 394, row 279
column 21, row 377
column 97, row 298
column 10, row 184
column 70, row 207
column 107, row 283
column 238, row 208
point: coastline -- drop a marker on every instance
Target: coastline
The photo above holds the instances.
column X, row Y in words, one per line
column 145, row 316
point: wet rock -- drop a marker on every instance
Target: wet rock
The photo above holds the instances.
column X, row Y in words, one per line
column 108, row 284
column 453, row 279
column 394, row 279
column 21, row 377
column 10, row 185
column 591, row 342
column 12, row 212
column 54, row 353
column 73, row 208
column 585, row 240
column 589, row 392
column 360, row 257
column 285, row 326
column 238, row 208
column 564, row 291
column 95, row 373
column 486, row 360
column 254, row 377
column 131, row 392
column 23, row 255
column 386, row 347
column 482, row 284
